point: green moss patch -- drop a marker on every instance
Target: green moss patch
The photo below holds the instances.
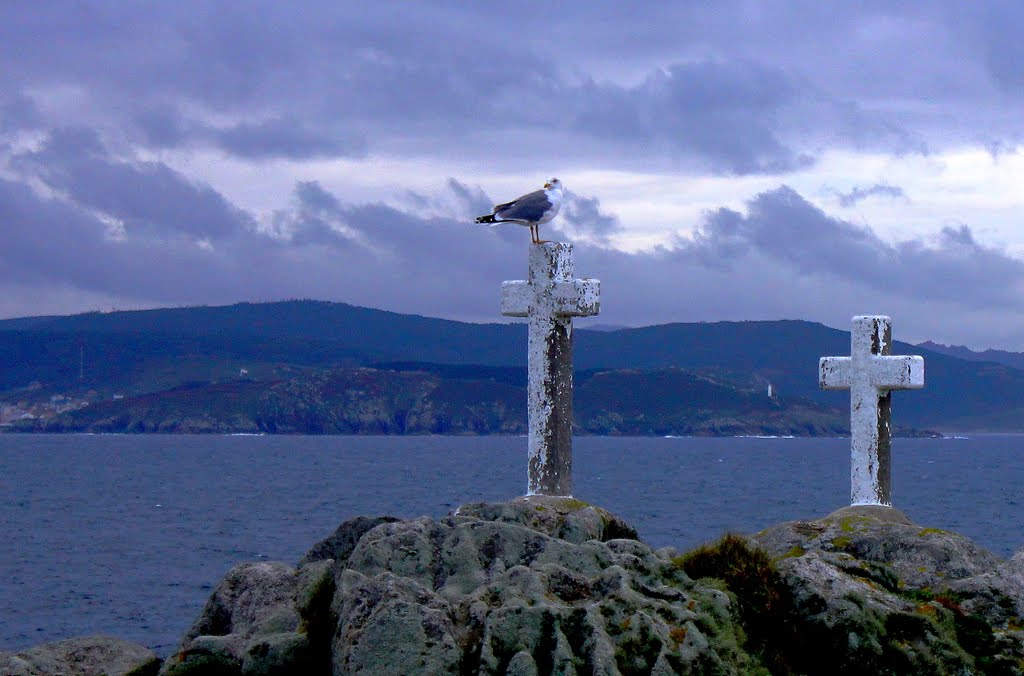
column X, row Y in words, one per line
column 794, row 552
column 930, row 531
column 572, row 504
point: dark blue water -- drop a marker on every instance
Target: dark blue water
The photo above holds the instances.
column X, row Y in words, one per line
column 125, row 535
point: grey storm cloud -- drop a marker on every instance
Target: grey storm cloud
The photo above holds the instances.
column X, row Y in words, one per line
column 582, row 217
column 731, row 113
column 782, row 226
column 286, row 137
column 472, row 200
column 315, row 217
column 728, row 89
column 140, row 195
column 18, row 112
column 997, row 32
column 51, row 242
column 96, row 94
column 859, row 194
column 162, row 127
column 319, row 245
column 782, row 256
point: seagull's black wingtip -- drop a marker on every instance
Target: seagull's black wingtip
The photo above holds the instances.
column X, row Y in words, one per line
column 489, row 218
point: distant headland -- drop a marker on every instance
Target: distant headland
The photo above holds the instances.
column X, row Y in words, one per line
column 314, row 367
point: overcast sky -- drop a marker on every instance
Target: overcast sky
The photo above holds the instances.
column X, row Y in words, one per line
column 725, row 160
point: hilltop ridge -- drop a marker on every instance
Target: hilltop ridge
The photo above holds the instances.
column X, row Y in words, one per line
column 256, row 347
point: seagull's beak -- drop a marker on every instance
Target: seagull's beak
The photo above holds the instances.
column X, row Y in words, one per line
column 547, row 184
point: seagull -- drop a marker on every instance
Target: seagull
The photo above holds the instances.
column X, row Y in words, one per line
column 537, row 207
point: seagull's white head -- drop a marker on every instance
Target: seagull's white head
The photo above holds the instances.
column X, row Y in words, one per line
column 553, row 191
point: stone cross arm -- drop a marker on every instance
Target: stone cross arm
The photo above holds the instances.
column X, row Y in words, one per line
column 886, row 372
column 570, row 298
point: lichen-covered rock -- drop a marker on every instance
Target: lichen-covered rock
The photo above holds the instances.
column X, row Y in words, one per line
column 884, row 542
column 997, row 594
column 494, row 589
column 565, row 518
column 252, row 598
column 534, row 586
column 872, row 592
column 313, row 593
column 389, row 624
column 280, row 654
column 556, row 586
column 339, row 544
column 87, row 656
column 245, row 626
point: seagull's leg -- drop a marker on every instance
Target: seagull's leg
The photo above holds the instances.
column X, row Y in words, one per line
column 534, row 235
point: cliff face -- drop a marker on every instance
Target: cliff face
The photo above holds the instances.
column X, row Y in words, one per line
column 449, row 400
column 94, row 356
column 556, row 586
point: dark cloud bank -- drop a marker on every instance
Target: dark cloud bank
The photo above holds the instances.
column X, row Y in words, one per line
column 114, row 226
column 722, row 89
column 728, row 88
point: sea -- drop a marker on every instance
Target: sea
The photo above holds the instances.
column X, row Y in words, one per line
column 127, row 535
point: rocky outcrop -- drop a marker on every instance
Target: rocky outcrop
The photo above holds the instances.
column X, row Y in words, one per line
column 996, row 594
column 253, row 623
column 339, row 545
column 872, row 592
column 557, row 586
column 88, row 656
column 563, row 518
column 533, row 586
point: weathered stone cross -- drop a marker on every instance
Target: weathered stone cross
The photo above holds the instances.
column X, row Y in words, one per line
column 550, row 298
column 871, row 373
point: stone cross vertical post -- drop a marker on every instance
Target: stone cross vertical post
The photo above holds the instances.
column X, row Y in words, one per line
column 871, row 374
column 550, row 298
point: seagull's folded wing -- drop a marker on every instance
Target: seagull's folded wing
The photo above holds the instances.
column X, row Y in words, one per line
column 529, row 208
column 506, row 205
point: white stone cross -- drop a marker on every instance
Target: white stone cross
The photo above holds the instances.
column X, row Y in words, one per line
column 550, row 298
column 871, row 374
